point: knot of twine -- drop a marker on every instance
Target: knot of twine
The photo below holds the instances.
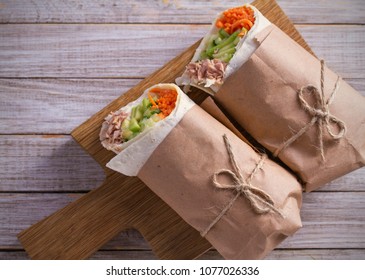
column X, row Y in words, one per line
column 260, row 201
column 320, row 116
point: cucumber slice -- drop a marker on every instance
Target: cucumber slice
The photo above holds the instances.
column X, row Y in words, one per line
column 145, row 123
column 149, row 112
column 125, row 124
column 223, row 33
column 134, row 126
column 127, row 134
column 139, row 113
column 133, row 112
column 220, row 54
column 224, row 43
column 210, row 43
column 226, row 57
column 232, row 45
column 229, row 40
column 212, row 38
column 146, row 103
column 218, row 40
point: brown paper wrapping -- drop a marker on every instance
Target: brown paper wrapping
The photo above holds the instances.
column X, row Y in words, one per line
column 262, row 96
column 180, row 171
column 209, row 106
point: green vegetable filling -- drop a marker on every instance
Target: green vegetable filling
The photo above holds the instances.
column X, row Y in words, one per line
column 221, row 46
column 142, row 116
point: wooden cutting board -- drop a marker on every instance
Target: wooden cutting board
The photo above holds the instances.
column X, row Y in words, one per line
column 82, row 227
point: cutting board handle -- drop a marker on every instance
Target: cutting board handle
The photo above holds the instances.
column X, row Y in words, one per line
column 85, row 225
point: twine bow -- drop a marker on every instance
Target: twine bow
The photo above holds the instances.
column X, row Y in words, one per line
column 260, row 201
column 320, row 116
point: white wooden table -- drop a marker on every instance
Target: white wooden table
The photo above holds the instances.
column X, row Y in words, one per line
column 62, row 61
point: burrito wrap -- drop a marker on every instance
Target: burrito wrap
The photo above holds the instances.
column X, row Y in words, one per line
column 180, row 171
column 133, row 157
column 182, row 177
column 263, row 97
column 244, row 49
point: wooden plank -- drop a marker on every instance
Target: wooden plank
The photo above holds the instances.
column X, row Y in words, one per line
column 76, row 51
column 324, row 11
column 80, row 229
column 48, row 50
column 330, row 221
column 326, row 217
column 306, row 254
column 31, row 241
column 124, row 200
column 19, row 211
column 335, row 44
column 354, row 181
column 54, row 104
column 46, row 163
column 56, row 163
column 168, row 11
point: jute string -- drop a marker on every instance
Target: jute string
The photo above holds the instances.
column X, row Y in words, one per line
column 260, row 201
column 320, row 116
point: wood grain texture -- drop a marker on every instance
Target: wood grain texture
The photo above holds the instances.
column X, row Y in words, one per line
column 129, row 51
column 278, row 254
column 56, row 163
column 340, row 225
column 170, row 237
column 54, row 104
column 168, row 11
column 332, row 44
column 84, row 226
column 83, row 44
column 46, row 163
column 43, row 240
column 48, row 50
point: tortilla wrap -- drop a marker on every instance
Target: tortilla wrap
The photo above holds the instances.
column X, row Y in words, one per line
column 244, row 49
column 132, row 156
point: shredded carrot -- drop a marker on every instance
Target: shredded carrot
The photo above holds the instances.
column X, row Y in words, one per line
column 165, row 102
column 235, row 19
column 154, row 105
